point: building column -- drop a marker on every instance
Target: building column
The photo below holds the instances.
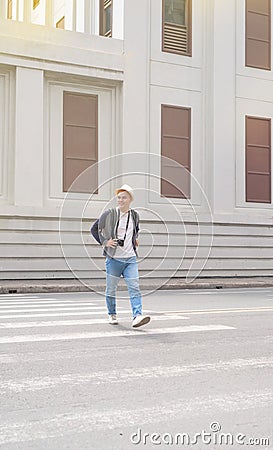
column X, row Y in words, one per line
column 87, row 16
column 3, row 9
column 118, row 19
column 27, row 11
column 224, row 101
column 49, row 13
column 136, row 85
column 18, row 10
column 95, row 13
column 74, row 15
column 29, row 139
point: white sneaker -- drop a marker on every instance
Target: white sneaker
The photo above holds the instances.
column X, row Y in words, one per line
column 140, row 320
column 113, row 319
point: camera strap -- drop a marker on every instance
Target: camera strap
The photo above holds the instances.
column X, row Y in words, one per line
column 127, row 225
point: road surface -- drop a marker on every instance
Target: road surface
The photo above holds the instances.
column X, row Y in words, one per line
column 200, row 374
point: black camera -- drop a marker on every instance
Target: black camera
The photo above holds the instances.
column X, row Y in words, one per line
column 120, row 242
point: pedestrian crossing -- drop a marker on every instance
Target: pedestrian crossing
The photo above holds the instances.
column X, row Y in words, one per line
column 66, row 318
column 71, row 380
column 109, row 334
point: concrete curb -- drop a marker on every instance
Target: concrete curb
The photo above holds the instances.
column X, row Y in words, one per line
column 46, row 286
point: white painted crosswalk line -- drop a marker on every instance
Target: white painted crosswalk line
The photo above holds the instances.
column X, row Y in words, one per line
column 219, row 311
column 111, row 334
column 45, row 302
column 130, row 374
column 42, row 309
column 56, row 323
column 78, row 314
column 77, row 308
column 88, row 419
column 19, row 299
column 62, row 314
column 18, row 296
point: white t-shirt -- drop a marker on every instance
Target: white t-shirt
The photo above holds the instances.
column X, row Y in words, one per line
column 127, row 250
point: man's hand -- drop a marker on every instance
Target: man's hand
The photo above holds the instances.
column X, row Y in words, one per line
column 111, row 243
column 137, row 242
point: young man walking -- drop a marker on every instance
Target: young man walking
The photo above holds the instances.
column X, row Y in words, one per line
column 117, row 231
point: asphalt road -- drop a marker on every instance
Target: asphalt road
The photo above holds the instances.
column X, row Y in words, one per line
column 200, row 374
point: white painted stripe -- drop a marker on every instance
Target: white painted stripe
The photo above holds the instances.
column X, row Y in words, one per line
column 130, row 374
column 7, row 359
column 218, row 311
column 49, row 300
column 37, row 305
column 59, row 314
column 89, row 419
column 53, row 309
column 28, row 299
column 110, row 334
column 21, row 299
column 54, row 323
column 58, row 323
column 17, row 296
column 51, row 296
column 207, row 292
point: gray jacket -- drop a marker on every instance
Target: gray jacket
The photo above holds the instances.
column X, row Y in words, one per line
column 105, row 228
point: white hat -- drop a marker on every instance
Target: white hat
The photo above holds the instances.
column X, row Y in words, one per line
column 127, row 188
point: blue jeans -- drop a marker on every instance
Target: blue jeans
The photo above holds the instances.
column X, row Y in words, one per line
column 126, row 267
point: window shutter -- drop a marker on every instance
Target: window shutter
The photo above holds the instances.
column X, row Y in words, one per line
column 80, row 142
column 106, row 17
column 9, row 10
column 176, row 37
column 176, row 146
column 61, row 23
column 35, row 3
column 258, row 34
column 258, row 160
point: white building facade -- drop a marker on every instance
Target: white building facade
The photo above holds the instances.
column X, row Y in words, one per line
column 174, row 97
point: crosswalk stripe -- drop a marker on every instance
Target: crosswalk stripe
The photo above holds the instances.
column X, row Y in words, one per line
column 218, row 311
column 52, row 309
column 111, row 334
column 88, row 419
column 58, row 323
column 130, row 374
column 45, row 304
column 17, row 296
column 76, row 313
column 34, row 299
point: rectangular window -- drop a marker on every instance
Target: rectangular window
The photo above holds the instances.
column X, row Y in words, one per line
column 177, row 26
column 9, row 10
column 106, row 17
column 61, row 23
column 258, row 34
column 258, row 160
column 80, row 142
column 175, row 151
column 35, row 3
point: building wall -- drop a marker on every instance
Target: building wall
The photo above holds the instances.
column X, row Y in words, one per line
column 44, row 233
